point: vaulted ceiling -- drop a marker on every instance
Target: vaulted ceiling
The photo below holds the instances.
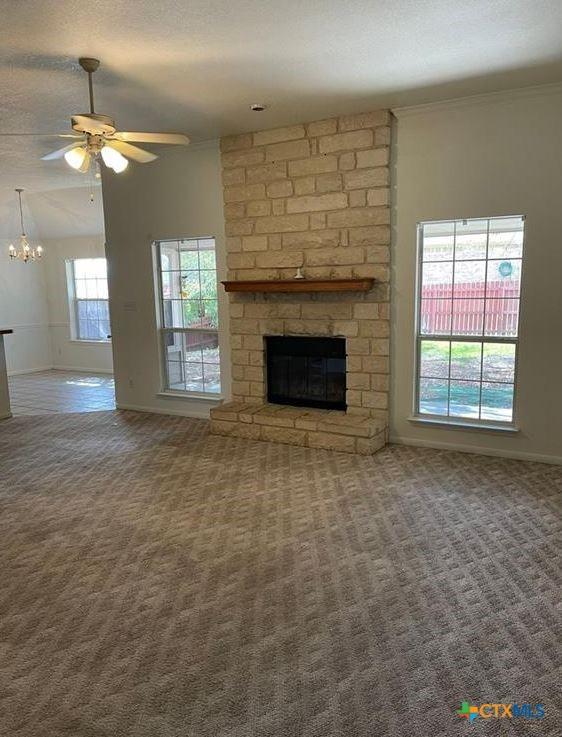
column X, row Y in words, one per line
column 196, row 66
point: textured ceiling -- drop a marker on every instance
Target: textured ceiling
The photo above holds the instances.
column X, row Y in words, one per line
column 196, row 67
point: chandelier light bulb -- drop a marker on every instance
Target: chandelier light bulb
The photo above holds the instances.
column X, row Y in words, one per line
column 76, row 158
column 113, row 159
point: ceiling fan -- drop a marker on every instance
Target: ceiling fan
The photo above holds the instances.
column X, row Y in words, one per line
column 97, row 138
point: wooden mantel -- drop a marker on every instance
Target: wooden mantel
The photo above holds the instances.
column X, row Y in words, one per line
column 300, row 285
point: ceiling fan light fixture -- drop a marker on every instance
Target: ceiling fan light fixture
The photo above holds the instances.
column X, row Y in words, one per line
column 113, row 159
column 76, row 158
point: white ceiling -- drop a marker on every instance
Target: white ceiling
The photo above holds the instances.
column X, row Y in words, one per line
column 196, row 66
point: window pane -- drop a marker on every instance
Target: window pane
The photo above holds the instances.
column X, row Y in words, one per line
column 176, row 377
column 194, row 377
column 504, row 278
column 211, row 375
column 468, row 316
column 189, row 259
column 90, row 268
column 174, row 346
column 82, row 310
column 464, row 399
column 497, row 402
column 466, row 360
column 210, row 347
column 498, row 362
column 470, row 279
column 438, row 240
column 471, row 239
column 433, row 396
column 193, row 342
column 105, row 330
column 171, row 281
column 506, row 238
column 435, row 316
column 210, row 313
column 92, row 310
column 173, row 316
column 91, row 289
column 502, row 316
column 437, row 280
column 190, row 285
column 169, row 256
column 98, row 268
column 191, row 313
column 101, row 289
column 208, row 284
column 103, row 310
column 434, row 358
column 80, row 289
column 207, row 259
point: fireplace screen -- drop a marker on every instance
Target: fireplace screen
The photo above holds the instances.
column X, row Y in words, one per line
column 306, row 372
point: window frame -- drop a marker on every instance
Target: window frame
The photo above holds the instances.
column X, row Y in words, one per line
column 73, row 301
column 456, row 420
column 162, row 330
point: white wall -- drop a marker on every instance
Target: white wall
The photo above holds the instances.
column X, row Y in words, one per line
column 178, row 195
column 66, row 352
column 497, row 155
column 23, row 307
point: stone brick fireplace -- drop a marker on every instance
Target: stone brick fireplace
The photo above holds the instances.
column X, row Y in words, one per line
column 313, row 197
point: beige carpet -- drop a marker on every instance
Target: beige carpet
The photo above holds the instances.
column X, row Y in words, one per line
column 157, row 581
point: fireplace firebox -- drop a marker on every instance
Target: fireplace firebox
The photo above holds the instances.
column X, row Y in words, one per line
column 306, row 372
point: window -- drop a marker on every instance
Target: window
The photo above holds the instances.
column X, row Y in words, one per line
column 87, row 288
column 469, row 288
column 187, row 279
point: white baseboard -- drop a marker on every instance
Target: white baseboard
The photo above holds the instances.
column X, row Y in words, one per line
column 20, row 372
column 478, row 450
column 197, row 414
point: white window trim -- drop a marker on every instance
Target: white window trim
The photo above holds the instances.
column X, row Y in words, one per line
column 464, row 423
column 161, row 330
column 73, row 305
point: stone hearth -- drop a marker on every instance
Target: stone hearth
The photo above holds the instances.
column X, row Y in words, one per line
column 313, row 428
column 313, row 196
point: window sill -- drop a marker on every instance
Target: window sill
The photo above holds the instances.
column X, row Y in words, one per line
column 460, row 424
column 191, row 395
column 89, row 342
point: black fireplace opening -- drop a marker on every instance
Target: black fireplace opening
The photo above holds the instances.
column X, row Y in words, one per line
column 305, row 371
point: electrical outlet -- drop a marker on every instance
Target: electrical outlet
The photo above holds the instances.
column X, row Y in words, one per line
column 131, row 383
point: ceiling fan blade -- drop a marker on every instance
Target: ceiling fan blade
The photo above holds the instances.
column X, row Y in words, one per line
column 59, row 153
column 43, row 135
column 132, row 152
column 176, row 138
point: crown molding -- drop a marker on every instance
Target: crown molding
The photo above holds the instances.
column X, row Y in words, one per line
column 519, row 93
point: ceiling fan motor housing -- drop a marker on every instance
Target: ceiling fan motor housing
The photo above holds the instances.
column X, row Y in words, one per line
column 93, row 123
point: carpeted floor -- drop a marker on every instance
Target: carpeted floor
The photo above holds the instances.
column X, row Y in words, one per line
column 156, row 581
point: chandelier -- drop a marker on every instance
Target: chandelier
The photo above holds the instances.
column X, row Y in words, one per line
column 25, row 252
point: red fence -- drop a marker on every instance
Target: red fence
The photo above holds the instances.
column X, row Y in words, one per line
column 466, row 314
